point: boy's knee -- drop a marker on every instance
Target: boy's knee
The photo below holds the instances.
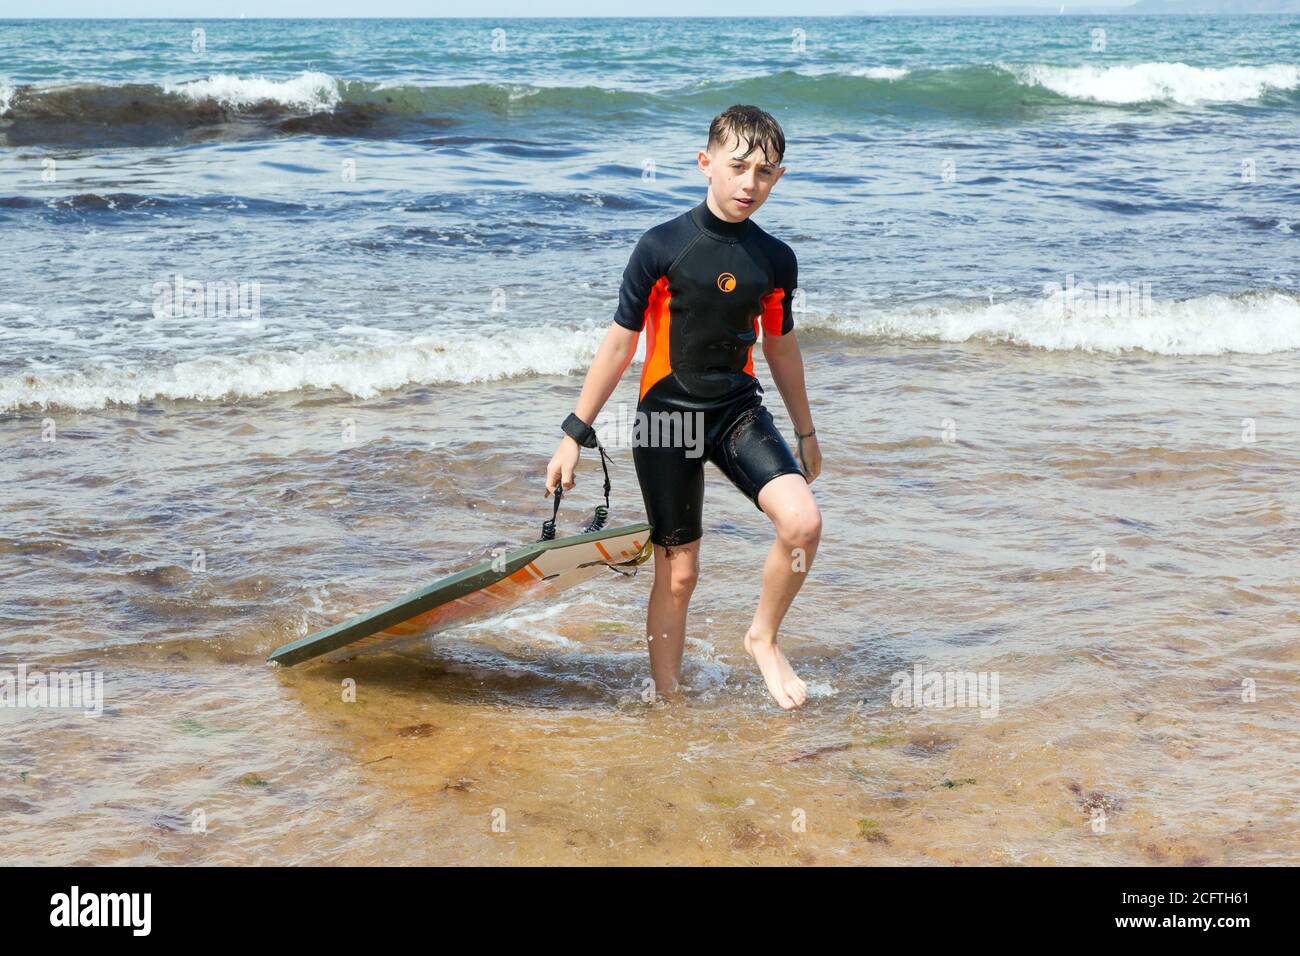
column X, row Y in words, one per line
column 682, row 579
column 803, row 529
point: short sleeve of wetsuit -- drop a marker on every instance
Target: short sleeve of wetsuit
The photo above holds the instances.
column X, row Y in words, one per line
column 644, row 269
column 778, row 311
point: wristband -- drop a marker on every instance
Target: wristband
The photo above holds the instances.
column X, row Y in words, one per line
column 579, row 431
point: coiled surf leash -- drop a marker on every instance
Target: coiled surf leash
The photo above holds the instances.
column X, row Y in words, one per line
column 585, row 436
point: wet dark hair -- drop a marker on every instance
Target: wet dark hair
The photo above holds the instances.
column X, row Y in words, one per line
column 748, row 125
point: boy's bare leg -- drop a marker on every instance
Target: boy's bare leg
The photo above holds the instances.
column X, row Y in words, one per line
column 788, row 501
column 676, row 570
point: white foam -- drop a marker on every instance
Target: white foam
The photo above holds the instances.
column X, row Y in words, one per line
column 833, row 69
column 880, row 72
column 1253, row 323
column 6, row 96
column 315, row 91
column 1160, row 82
column 360, row 370
column 821, row 688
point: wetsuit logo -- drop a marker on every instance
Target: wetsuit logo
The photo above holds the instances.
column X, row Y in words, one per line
column 727, row 282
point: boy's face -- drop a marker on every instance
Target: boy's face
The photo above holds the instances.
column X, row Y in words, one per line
column 739, row 183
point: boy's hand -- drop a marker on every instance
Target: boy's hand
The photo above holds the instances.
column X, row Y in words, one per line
column 563, row 462
column 810, row 457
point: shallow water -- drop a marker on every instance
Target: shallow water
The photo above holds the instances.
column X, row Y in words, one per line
column 966, row 545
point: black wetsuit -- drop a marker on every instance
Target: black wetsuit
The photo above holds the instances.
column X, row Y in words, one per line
column 700, row 286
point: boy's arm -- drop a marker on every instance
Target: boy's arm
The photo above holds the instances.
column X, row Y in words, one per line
column 786, row 365
column 615, row 353
column 619, row 347
column 779, row 345
column 613, row 357
column 785, row 361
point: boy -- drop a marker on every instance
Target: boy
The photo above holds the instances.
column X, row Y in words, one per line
column 701, row 284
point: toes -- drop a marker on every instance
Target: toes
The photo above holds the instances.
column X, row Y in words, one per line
column 781, row 696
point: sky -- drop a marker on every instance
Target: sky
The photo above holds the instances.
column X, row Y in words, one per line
column 199, row 9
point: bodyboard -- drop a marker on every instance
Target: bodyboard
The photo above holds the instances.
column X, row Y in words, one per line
column 487, row 589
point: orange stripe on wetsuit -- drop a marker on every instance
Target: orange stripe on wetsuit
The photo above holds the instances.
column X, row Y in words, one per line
column 772, row 316
column 658, row 323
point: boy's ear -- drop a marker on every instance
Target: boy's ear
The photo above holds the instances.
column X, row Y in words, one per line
column 703, row 161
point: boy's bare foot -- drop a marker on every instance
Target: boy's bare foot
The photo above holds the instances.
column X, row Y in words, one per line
column 782, row 683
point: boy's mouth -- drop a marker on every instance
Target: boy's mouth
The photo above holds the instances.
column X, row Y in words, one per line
column 744, row 203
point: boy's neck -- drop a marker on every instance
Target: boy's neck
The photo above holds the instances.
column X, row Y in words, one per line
column 711, row 220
